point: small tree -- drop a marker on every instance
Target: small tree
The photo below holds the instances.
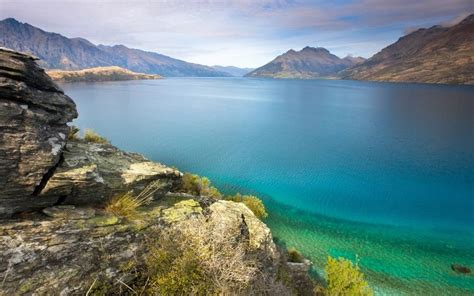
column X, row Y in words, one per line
column 345, row 278
column 253, row 203
column 200, row 186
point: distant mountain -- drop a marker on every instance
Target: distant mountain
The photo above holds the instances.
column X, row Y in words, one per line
column 234, row 71
column 309, row 62
column 111, row 73
column 435, row 55
column 59, row 52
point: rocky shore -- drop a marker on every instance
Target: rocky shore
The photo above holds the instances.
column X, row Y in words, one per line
column 57, row 238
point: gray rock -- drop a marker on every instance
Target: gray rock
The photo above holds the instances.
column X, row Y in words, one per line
column 90, row 174
column 34, row 112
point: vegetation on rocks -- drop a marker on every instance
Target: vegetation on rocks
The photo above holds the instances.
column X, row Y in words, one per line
column 345, row 278
column 126, row 204
column 294, row 255
column 199, row 186
column 93, row 137
column 253, row 203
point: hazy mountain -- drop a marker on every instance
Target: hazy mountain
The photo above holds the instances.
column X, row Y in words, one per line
column 435, row 55
column 309, row 62
column 59, row 52
column 234, row 71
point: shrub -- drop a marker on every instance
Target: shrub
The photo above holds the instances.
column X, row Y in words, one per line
column 200, row 186
column 202, row 258
column 253, row 203
column 345, row 278
column 126, row 204
column 73, row 133
column 93, row 137
column 295, row 256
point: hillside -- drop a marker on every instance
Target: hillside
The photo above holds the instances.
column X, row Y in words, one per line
column 234, row 71
column 309, row 62
column 435, row 55
column 59, row 52
column 111, row 73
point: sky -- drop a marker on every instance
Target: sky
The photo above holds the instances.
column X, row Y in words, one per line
column 243, row 33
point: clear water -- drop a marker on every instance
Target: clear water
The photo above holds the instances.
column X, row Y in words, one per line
column 378, row 170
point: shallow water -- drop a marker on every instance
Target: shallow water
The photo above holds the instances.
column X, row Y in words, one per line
column 381, row 170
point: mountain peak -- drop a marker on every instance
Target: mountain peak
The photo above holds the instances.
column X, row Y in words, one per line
column 309, row 62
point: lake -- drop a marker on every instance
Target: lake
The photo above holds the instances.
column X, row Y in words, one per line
column 381, row 172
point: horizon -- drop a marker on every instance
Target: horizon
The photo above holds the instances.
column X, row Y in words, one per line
column 238, row 33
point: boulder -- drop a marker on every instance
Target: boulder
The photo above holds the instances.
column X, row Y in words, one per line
column 34, row 113
column 460, row 268
column 92, row 173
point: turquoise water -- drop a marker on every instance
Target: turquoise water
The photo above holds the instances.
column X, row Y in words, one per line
column 378, row 170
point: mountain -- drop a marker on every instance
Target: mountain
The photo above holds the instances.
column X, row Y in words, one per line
column 111, row 73
column 309, row 62
column 435, row 55
column 234, row 71
column 59, row 52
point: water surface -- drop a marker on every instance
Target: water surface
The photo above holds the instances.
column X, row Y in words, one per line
column 379, row 170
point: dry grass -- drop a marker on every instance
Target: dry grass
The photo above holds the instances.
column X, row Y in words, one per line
column 253, row 203
column 126, row 204
column 93, row 137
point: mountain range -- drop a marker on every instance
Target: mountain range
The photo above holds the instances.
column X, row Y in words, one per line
column 59, row 52
column 435, row 55
column 310, row 62
column 234, row 71
column 439, row 54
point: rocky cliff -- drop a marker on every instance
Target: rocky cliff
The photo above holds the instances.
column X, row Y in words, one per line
column 33, row 128
column 59, row 236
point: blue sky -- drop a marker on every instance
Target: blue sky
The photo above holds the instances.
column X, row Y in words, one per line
column 245, row 33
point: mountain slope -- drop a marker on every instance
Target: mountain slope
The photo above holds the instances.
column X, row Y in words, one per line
column 435, row 55
column 59, row 52
column 309, row 62
column 234, row 71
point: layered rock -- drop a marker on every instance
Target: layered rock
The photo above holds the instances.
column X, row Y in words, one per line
column 76, row 248
column 91, row 173
column 34, row 113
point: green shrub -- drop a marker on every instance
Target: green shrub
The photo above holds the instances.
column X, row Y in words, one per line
column 126, row 204
column 93, row 137
column 345, row 278
column 253, row 203
column 295, row 256
column 200, row 186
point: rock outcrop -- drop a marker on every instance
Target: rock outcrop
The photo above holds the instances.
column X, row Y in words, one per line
column 34, row 113
column 37, row 168
column 72, row 249
column 91, row 173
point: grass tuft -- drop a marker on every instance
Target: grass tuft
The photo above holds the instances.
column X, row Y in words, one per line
column 125, row 205
column 93, row 137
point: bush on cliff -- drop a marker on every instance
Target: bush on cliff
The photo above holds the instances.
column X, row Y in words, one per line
column 345, row 278
column 200, row 186
column 201, row 259
column 294, row 255
column 253, row 203
column 93, row 137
